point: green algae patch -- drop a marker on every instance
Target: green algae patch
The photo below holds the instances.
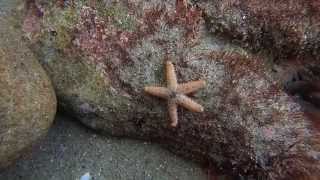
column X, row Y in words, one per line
column 58, row 26
column 120, row 17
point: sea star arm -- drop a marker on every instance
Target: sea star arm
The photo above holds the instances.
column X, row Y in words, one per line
column 173, row 112
column 188, row 103
column 190, row 87
column 161, row 92
column 171, row 76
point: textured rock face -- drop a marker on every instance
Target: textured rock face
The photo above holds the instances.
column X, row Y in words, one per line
column 100, row 58
column 285, row 28
column 27, row 100
column 287, row 31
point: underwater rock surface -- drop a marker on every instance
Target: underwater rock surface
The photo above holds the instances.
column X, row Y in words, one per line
column 27, row 98
column 284, row 28
column 101, row 54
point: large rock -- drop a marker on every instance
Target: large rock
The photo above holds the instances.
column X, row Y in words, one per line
column 284, row 28
column 287, row 31
column 27, row 99
column 100, row 58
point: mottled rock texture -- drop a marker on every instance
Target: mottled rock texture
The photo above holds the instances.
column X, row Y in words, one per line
column 285, row 28
column 101, row 54
column 286, row 31
column 27, row 99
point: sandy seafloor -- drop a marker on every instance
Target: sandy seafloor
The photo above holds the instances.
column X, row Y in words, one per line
column 70, row 150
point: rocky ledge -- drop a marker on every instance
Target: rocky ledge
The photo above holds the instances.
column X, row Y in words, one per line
column 101, row 54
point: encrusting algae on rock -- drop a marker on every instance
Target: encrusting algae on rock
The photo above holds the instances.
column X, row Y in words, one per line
column 250, row 126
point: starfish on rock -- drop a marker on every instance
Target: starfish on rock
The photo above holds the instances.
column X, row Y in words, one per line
column 176, row 93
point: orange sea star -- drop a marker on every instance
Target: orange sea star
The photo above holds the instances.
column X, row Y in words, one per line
column 176, row 93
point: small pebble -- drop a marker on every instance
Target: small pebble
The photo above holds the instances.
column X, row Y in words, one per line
column 86, row 176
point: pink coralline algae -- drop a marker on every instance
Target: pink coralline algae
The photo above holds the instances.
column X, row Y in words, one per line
column 91, row 34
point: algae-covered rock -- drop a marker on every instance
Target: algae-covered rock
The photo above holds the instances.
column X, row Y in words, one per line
column 284, row 28
column 101, row 54
column 27, row 99
column 287, row 31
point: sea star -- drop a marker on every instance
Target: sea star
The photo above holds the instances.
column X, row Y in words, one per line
column 176, row 93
